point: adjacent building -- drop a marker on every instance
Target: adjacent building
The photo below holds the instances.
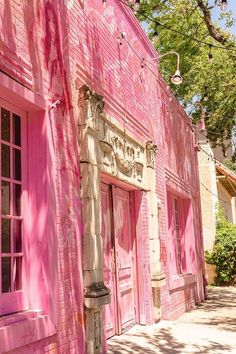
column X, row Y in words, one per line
column 218, row 190
column 100, row 198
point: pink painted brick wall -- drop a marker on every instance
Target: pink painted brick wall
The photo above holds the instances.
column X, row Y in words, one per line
column 65, row 44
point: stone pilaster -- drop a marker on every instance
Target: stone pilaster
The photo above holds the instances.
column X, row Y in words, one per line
column 157, row 276
column 95, row 292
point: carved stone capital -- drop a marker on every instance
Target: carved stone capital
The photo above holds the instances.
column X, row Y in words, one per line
column 97, row 295
column 91, row 105
column 96, row 290
column 151, row 151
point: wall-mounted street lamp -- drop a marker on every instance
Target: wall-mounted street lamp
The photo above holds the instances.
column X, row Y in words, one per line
column 199, row 106
column 205, row 97
column 223, row 4
column 176, row 79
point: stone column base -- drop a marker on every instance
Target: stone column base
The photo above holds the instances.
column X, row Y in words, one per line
column 93, row 330
column 96, row 295
column 157, row 282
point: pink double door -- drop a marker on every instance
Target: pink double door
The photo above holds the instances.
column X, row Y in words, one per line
column 119, row 259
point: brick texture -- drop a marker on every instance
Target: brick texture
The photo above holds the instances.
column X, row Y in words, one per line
column 53, row 47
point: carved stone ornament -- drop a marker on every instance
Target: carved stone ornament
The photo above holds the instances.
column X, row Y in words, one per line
column 125, row 166
column 91, row 105
column 139, row 165
column 121, row 156
column 106, row 148
column 151, row 151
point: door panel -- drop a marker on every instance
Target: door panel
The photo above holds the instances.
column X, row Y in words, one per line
column 109, row 262
column 118, row 268
column 124, row 245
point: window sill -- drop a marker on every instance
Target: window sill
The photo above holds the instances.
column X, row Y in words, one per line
column 181, row 280
column 22, row 328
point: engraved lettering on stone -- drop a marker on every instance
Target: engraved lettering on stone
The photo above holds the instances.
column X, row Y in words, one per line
column 120, row 155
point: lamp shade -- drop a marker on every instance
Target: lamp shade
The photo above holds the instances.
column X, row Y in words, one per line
column 176, row 79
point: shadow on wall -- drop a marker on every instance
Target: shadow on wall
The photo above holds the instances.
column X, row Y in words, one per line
column 64, row 133
column 51, row 19
column 179, row 141
column 32, row 18
column 8, row 28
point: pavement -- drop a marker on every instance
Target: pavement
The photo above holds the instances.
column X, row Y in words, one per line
column 210, row 329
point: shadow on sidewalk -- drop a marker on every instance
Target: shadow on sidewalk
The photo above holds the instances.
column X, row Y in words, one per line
column 219, row 298
column 197, row 331
column 218, row 310
column 164, row 343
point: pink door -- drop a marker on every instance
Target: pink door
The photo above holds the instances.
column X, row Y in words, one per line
column 109, row 260
column 124, row 244
column 118, row 259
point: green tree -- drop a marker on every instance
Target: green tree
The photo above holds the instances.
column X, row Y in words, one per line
column 224, row 252
column 230, row 164
column 217, row 79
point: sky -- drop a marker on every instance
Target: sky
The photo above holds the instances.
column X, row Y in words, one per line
column 216, row 12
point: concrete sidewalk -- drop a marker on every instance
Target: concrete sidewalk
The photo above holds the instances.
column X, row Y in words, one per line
column 208, row 329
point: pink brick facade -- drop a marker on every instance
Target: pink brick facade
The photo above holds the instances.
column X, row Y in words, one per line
column 48, row 51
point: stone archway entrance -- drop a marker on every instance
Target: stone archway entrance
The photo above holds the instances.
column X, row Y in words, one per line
column 106, row 148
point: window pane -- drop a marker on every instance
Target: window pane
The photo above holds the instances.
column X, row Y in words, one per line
column 17, row 271
column 17, row 164
column 17, row 244
column 6, row 238
column 16, row 130
column 16, row 199
column 5, row 197
column 5, row 161
column 5, row 124
column 6, row 274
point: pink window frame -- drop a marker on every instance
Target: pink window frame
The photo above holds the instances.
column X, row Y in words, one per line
column 17, row 300
column 178, row 271
column 178, row 233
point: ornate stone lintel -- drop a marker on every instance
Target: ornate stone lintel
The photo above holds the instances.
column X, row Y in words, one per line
column 121, row 155
column 151, row 151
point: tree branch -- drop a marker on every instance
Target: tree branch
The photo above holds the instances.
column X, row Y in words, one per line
column 215, row 33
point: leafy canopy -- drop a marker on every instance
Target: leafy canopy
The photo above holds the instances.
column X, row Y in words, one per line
column 200, row 77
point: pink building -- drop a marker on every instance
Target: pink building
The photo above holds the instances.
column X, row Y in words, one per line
column 100, row 214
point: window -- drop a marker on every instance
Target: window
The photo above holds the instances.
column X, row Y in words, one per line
column 177, row 237
column 11, row 223
column 21, row 256
column 180, row 229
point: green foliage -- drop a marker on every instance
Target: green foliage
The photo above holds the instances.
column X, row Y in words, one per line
column 219, row 76
column 230, row 164
column 224, row 252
